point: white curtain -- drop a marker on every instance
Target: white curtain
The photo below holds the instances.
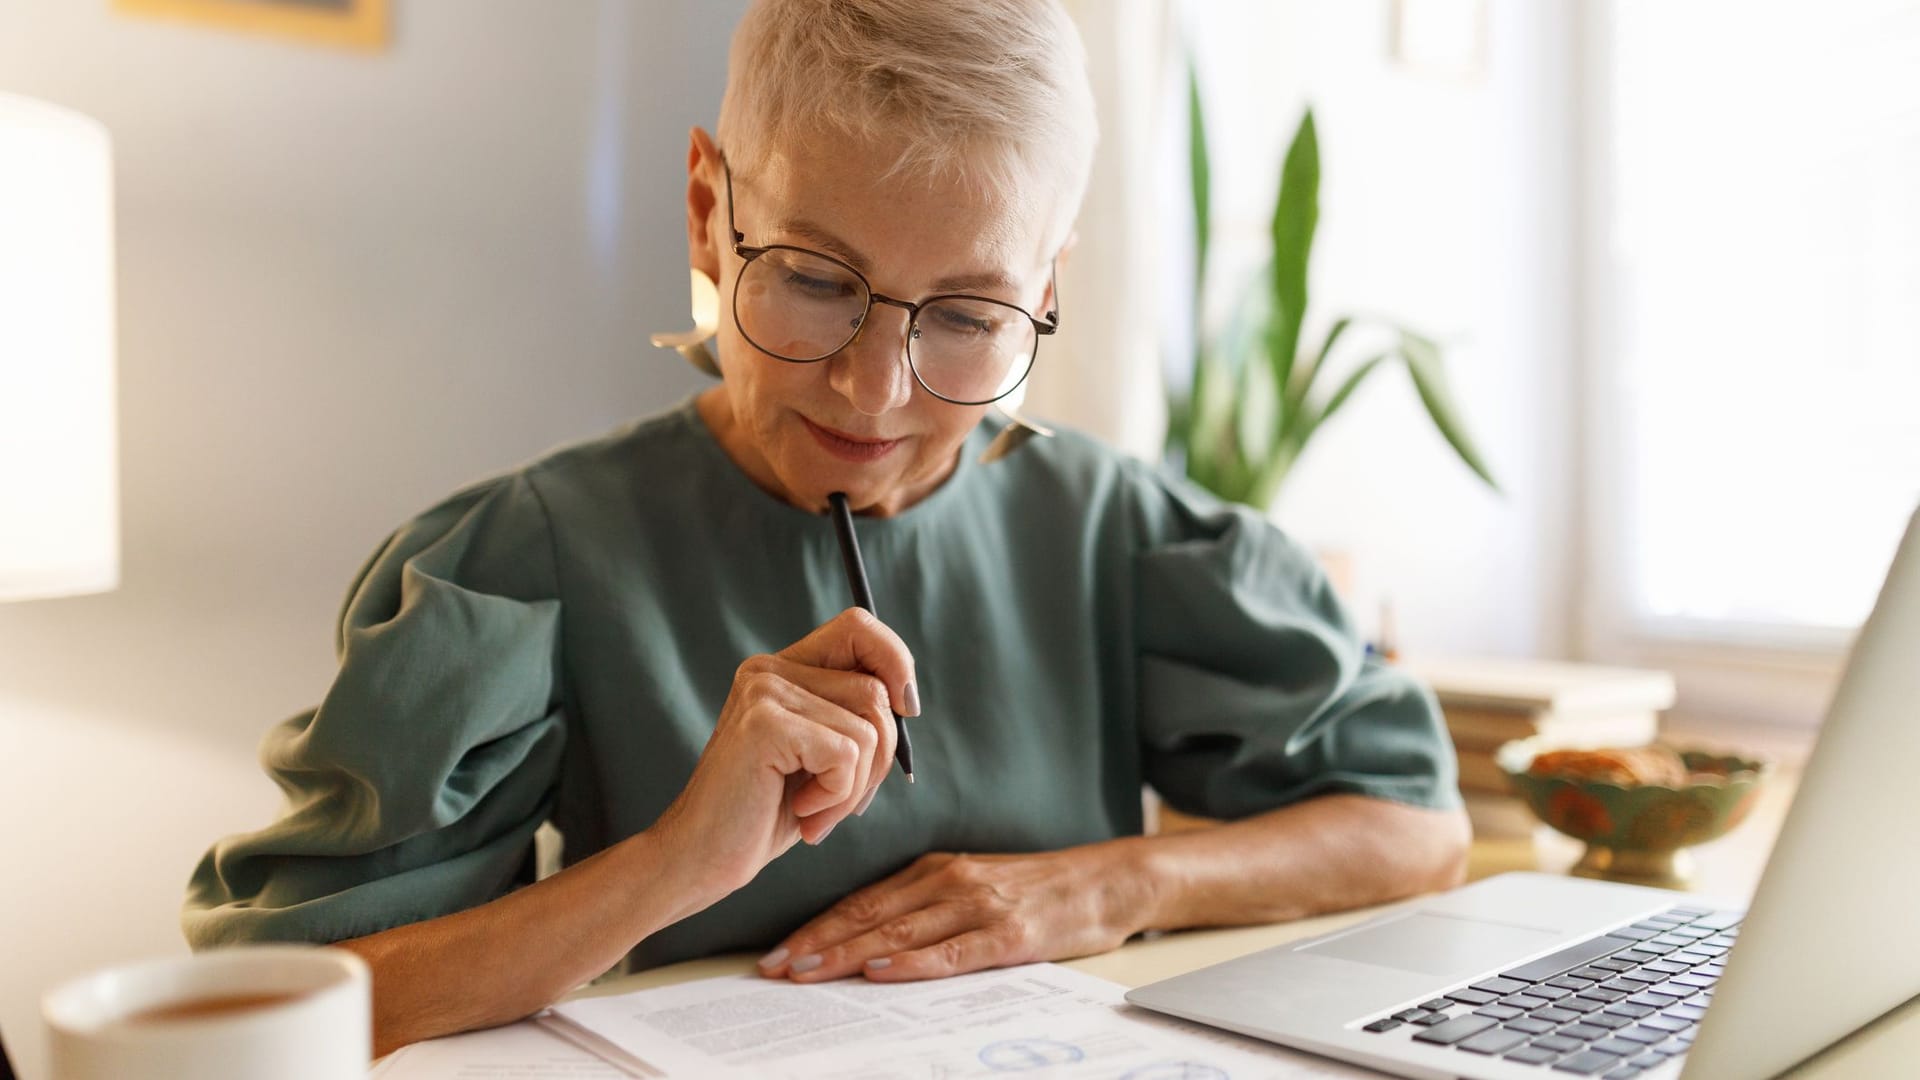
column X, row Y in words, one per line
column 1102, row 373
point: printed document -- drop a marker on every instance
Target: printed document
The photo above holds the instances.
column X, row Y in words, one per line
column 1011, row 1019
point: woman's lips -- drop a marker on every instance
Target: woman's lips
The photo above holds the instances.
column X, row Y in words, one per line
column 846, row 447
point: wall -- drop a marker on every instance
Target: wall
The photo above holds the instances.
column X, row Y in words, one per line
column 348, row 284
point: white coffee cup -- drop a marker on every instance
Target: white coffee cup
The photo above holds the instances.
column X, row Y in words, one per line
column 289, row 1012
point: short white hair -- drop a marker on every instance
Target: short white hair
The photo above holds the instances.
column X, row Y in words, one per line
column 992, row 94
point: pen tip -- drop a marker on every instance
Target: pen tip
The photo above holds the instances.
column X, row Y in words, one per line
column 909, row 778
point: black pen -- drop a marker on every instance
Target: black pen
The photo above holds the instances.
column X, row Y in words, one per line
column 863, row 598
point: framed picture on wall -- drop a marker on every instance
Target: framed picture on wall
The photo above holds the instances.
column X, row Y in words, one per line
column 354, row 24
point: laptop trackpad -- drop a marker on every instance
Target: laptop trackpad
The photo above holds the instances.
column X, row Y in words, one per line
column 1436, row 944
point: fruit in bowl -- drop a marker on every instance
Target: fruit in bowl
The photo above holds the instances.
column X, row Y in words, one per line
column 1636, row 808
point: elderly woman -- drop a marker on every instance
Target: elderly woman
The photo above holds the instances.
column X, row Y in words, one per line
column 636, row 637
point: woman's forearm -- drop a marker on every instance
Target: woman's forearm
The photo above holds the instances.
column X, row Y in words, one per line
column 504, row 960
column 1329, row 853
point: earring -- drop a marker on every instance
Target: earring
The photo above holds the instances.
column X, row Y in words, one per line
column 692, row 344
column 1012, row 437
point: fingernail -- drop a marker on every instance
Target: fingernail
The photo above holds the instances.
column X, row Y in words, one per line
column 866, row 802
column 913, row 700
column 772, row 959
column 805, row 964
column 879, row 962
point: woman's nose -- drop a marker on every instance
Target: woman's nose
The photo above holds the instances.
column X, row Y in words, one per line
column 871, row 371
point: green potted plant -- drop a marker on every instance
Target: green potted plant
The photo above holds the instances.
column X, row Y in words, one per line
column 1256, row 397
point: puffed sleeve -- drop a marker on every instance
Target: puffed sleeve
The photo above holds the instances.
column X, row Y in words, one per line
column 1254, row 690
column 414, row 788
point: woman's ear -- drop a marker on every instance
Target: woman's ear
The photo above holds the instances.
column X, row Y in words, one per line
column 703, row 202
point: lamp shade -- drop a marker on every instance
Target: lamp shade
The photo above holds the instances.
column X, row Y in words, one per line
column 59, row 481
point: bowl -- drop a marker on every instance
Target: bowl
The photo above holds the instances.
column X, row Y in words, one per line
column 1638, row 833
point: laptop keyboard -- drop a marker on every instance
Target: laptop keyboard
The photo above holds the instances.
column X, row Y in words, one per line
column 1612, row 1006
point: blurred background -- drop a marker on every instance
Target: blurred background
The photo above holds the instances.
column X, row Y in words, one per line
column 1668, row 257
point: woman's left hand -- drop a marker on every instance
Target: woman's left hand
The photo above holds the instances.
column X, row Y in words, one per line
column 947, row 914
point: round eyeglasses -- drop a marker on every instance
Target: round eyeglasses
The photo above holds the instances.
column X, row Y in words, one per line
column 801, row 306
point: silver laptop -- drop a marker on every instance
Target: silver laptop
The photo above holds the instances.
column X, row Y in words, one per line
column 1535, row 975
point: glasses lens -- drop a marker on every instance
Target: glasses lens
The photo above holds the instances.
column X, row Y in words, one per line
column 972, row 351
column 797, row 305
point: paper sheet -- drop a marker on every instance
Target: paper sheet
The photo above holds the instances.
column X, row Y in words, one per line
column 699, row 1027
column 523, row 1051
column 1075, row 1026
column 1118, row 1042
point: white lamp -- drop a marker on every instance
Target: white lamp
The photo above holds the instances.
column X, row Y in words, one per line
column 59, row 481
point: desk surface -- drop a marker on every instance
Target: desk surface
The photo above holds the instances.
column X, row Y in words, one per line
column 1728, row 868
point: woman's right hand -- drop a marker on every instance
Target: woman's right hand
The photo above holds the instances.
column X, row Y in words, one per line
column 804, row 740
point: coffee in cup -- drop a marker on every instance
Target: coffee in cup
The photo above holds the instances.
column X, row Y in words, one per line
column 290, row 1012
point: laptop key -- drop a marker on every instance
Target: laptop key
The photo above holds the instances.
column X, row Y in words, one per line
column 1655, row 946
column 1721, row 920
column 1616, row 1046
column 1666, row 1023
column 1645, row 1035
column 1624, row 1072
column 1581, row 1003
column 1685, row 1012
column 1673, row 939
column 1655, row 998
column 1608, row 1020
column 1665, row 967
column 1499, row 1012
column 1690, row 912
column 1437, row 1005
column 1383, row 1025
column 1573, row 982
column 1452, row 1031
column 1648, row 1061
column 1498, row 986
column 1553, row 1014
column 1649, row 924
column 1602, row 974
column 1497, row 1041
column 1604, row 994
column 1696, row 979
column 1588, row 1062
column 1429, row 1019
column 1695, row 931
column 1634, row 933
column 1531, row 1025
column 1566, row 959
column 1559, row 1044
column 1630, row 1009
column 1542, row 990
column 1474, row 997
column 1583, row 1031
column 1524, row 1001
column 1408, row 1014
column 1533, row 1055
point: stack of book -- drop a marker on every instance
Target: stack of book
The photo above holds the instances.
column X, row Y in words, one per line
column 1489, row 702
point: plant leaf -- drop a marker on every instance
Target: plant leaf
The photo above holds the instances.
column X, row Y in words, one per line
column 1304, row 377
column 1200, row 177
column 1296, row 212
column 1345, row 391
column 1430, row 380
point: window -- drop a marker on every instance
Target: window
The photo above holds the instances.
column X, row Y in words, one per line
column 1754, row 318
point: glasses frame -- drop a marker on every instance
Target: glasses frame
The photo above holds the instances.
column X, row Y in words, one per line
column 1042, row 326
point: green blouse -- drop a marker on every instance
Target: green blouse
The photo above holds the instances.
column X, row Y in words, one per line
column 553, row 644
